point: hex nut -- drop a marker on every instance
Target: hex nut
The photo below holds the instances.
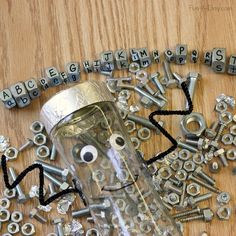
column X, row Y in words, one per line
column 13, row 228
column 173, row 198
column 125, row 93
column 136, row 142
column 223, row 198
column 28, row 229
column 42, row 152
column 5, row 203
column 130, row 125
column 16, row 216
column 181, row 175
column 198, row 158
column 173, row 156
column 227, row 139
column 11, row 153
column 121, row 204
column 225, row 118
column 231, row 154
column 92, row 232
column 193, row 117
column 9, row 193
column 39, row 139
column 223, row 213
column 221, row 107
column 193, row 189
column 37, row 127
column 4, row 215
column 184, row 154
column 189, row 166
column 165, row 172
column 176, row 165
column 233, row 130
column 144, row 133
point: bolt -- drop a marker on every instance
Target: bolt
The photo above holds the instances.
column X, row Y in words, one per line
column 29, row 143
column 53, row 153
column 171, row 82
column 155, row 79
column 61, row 185
column 199, row 172
column 200, row 143
column 179, row 79
column 197, row 210
column 54, row 169
column 143, row 78
column 35, row 214
column 184, row 145
column 168, row 185
column 119, row 78
column 158, row 94
column 206, row 215
column 101, row 214
column 192, row 201
column 59, row 224
column 181, row 203
column 203, row 184
column 21, row 196
column 211, row 133
column 192, row 77
column 145, row 122
column 52, row 190
column 221, row 154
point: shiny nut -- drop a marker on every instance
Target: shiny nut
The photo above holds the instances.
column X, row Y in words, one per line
column 231, row 154
column 165, row 172
column 181, row 175
column 28, row 229
column 184, row 154
column 221, row 107
column 193, row 189
column 224, row 213
column 130, row 125
column 11, row 153
column 198, row 158
column 173, row 198
column 9, row 193
column 223, row 198
column 227, row 139
column 5, row 203
column 176, row 165
column 189, row 166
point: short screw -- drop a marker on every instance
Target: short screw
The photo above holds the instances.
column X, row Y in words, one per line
column 221, row 154
column 211, row 132
column 29, row 143
column 35, row 214
column 61, row 185
column 184, row 145
column 199, row 172
column 171, row 81
column 155, row 79
column 59, row 224
column 63, row 173
column 203, row 184
column 179, row 79
column 197, row 210
column 192, row 201
column 53, row 153
column 168, row 185
column 207, row 215
column 21, row 196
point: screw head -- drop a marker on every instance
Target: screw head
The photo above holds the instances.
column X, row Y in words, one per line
column 64, row 186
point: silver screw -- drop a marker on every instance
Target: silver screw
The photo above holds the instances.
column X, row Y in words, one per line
column 53, row 153
column 54, row 169
column 197, row 210
column 211, row 133
column 221, row 154
column 184, row 145
column 155, row 79
column 29, row 143
column 192, row 201
column 61, row 185
column 21, row 196
column 181, row 203
column 145, row 122
column 199, row 172
column 168, row 185
column 35, row 214
column 59, row 224
column 179, row 79
column 203, row 184
column 206, row 215
column 171, row 81
column 52, row 190
column 192, row 77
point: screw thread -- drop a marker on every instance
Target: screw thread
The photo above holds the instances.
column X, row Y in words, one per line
column 192, row 218
column 186, row 213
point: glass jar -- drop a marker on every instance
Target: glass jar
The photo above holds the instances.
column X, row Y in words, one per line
column 86, row 127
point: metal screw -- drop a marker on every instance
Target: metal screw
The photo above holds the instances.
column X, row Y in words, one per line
column 29, row 143
column 203, row 184
column 193, row 77
column 197, row 210
column 21, row 196
column 53, row 153
column 192, row 201
column 35, row 214
column 199, row 172
column 179, row 79
column 171, row 82
column 61, row 185
column 168, row 185
column 184, row 145
column 181, row 202
column 59, row 224
column 221, row 154
column 54, row 169
column 211, row 133
column 155, row 79
column 206, row 215
column 145, row 122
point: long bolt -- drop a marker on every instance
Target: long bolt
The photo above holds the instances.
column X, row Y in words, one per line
column 29, row 143
column 21, row 196
column 211, row 132
column 54, row 169
column 199, row 172
column 184, row 145
column 145, row 122
column 193, row 78
column 155, row 79
column 197, row 210
column 62, row 185
column 181, row 202
column 202, row 197
column 206, row 215
column 35, row 214
column 217, row 138
column 203, row 184
column 59, row 225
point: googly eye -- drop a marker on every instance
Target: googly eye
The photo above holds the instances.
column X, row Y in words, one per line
column 117, row 141
column 88, row 154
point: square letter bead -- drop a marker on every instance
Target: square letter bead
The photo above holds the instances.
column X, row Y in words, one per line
column 32, row 88
column 73, row 71
column 7, row 98
column 218, row 60
column 53, row 76
column 181, row 54
column 121, row 58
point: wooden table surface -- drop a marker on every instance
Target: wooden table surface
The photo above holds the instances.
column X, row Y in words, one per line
column 35, row 34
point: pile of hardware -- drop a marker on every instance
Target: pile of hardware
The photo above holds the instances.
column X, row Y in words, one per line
column 179, row 178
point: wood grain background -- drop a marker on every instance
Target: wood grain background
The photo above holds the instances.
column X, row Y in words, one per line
column 35, row 34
